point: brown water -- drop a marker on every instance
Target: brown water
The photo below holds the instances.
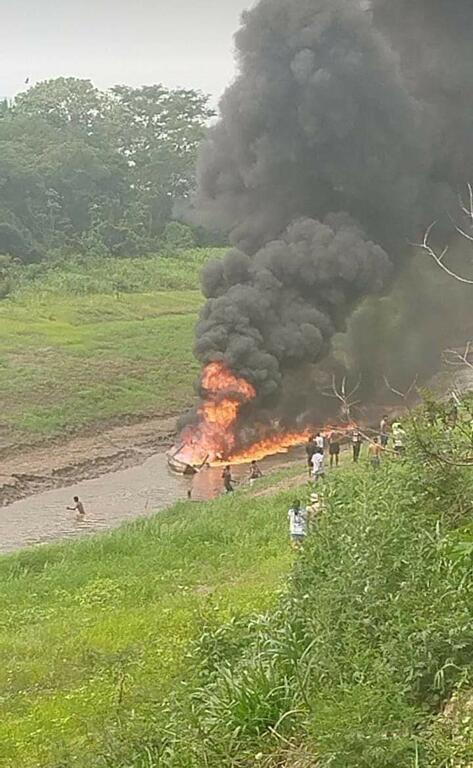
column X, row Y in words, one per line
column 111, row 500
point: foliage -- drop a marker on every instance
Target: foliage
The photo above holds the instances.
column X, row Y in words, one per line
column 91, row 171
column 87, row 340
column 442, row 432
column 370, row 643
column 93, row 634
column 5, row 280
column 178, row 236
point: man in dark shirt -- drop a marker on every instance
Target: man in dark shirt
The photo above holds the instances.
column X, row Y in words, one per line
column 311, row 449
column 228, row 479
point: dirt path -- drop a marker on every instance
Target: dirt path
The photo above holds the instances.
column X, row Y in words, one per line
column 284, row 485
column 58, row 464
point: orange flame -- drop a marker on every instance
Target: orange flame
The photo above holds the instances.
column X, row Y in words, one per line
column 214, row 435
column 271, row 446
column 213, row 438
column 282, row 443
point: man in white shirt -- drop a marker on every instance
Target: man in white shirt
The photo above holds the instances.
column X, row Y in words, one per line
column 320, row 442
column 399, row 437
column 297, row 524
column 318, row 466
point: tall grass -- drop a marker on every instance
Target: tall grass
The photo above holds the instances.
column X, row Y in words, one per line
column 95, row 633
column 87, row 275
column 355, row 665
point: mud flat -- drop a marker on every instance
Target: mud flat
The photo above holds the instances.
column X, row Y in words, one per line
column 143, row 486
column 27, row 471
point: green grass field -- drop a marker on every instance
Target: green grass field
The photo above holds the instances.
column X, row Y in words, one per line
column 196, row 638
column 92, row 634
column 84, row 342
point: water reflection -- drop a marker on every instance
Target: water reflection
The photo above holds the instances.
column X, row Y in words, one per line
column 110, row 500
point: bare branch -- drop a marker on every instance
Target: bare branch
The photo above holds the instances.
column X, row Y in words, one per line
column 468, row 211
column 403, row 395
column 463, row 233
column 453, row 357
column 346, row 399
column 439, row 257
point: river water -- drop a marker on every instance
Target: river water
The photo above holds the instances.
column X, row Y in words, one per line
column 111, row 500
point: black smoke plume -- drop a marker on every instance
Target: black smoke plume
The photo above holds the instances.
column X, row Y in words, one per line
column 434, row 41
column 334, row 148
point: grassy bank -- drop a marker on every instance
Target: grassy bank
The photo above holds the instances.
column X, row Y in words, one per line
column 368, row 659
column 191, row 640
column 93, row 634
column 85, row 341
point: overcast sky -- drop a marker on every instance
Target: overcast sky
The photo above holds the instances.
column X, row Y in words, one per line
column 177, row 42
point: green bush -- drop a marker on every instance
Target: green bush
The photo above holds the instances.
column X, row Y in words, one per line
column 178, row 236
column 370, row 642
column 87, row 275
column 6, row 283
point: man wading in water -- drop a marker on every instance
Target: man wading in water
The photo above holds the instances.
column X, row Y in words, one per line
column 78, row 507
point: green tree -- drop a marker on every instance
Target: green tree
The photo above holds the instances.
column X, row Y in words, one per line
column 178, row 236
column 65, row 103
column 159, row 131
column 84, row 169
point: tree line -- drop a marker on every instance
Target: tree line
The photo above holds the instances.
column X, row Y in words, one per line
column 83, row 170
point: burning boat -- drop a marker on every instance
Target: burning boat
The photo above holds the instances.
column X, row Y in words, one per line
column 215, row 436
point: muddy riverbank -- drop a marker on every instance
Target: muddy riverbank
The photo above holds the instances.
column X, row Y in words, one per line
column 114, row 498
column 27, row 471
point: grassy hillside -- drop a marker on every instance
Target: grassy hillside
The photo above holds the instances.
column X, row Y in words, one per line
column 93, row 634
column 190, row 640
column 88, row 340
column 368, row 658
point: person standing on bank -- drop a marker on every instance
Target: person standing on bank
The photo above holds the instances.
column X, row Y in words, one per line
column 318, row 466
column 255, row 473
column 310, row 450
column 399, row 436
column 374, row 453
column 384, row 432
column 357, row 440
column 297, row 524
column 334, row 449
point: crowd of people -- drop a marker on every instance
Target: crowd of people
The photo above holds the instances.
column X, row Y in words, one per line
column 318, row 446
column 390, row 438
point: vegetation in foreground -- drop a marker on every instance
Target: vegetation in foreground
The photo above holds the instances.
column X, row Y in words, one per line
column 368, row 658
column 94, row 634
column 87, row 340
column 182, row 641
